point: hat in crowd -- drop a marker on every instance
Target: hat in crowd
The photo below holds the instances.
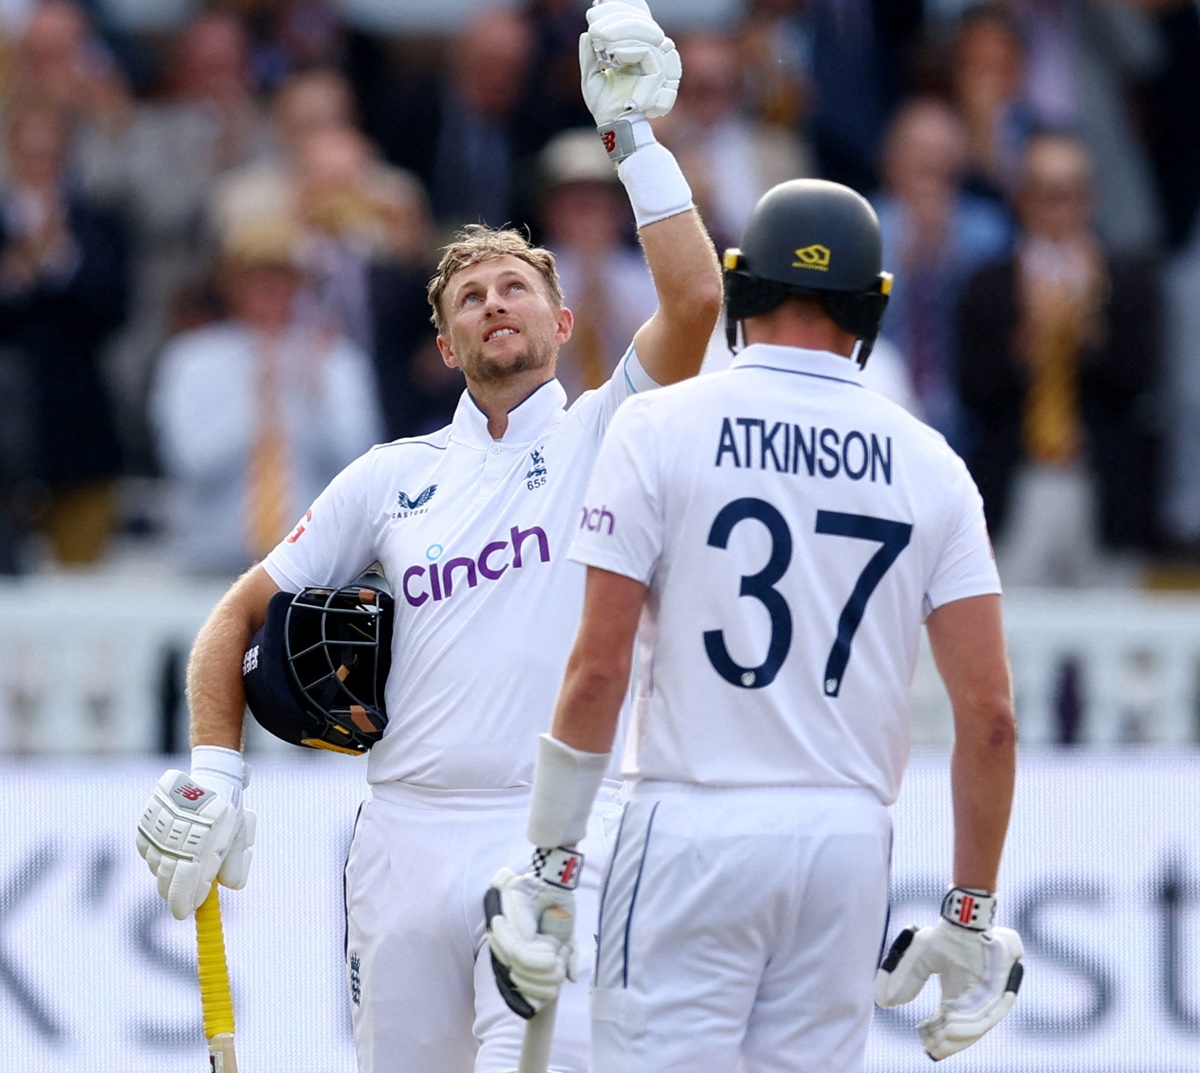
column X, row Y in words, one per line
column 269, row 243
column 575, row 156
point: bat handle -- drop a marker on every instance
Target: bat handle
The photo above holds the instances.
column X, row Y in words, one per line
column 216, row 996
column 539, row 1030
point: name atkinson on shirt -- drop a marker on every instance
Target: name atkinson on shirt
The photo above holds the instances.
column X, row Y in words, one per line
column 750, row 443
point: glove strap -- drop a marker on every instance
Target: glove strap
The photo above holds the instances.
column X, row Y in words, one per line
column 223, row 768
column 560, row 867
column 969, row 907
column 625, row 135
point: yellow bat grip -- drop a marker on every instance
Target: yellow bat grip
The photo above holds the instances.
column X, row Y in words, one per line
column 216, row 996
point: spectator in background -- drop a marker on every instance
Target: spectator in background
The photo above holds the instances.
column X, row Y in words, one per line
column 934, row 236
column 1086, row 64
column 730, row 157
column 254, row 414
column 164, row 165
column 987, row 84
column 308, row 102
column 1058, row 351
column 60, row 59
column 465, row 135
column 858, row 54
column 774, row 61
column 64, row 288
column 552, row 100
column 287, row 36
column 587, row 224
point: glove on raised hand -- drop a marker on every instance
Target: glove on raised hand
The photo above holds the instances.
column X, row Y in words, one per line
column 978, row 966
column 530, row 958
column 628, row 66
column 194, row 830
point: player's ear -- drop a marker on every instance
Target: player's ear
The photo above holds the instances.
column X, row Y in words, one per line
column 564, row 326
column 447, row 352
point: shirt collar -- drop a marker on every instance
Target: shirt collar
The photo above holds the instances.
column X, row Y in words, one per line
column 790, row 359
column 527, row 420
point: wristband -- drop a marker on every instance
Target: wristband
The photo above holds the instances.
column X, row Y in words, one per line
column 969, row 907
column 565, row 783
column 560, row 867
column 655, row 184
column 226, row 766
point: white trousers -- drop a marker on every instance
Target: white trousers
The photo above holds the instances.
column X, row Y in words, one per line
column 740, row 929
column 423, row 998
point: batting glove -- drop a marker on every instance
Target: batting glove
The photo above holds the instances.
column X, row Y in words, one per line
column 978, row 966
column 629, row 72
column 531, row 956
column 194, row 830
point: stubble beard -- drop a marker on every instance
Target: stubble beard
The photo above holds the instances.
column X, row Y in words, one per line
column 538, row 354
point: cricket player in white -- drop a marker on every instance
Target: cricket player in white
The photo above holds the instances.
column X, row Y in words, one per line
column 472, row 527
column 780, row 533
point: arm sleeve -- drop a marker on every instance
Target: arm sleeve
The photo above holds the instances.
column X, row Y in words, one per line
column 966, row 565
column 335, row 540
column 621, row 522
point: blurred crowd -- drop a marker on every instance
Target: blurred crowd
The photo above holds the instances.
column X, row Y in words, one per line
column 216, row 227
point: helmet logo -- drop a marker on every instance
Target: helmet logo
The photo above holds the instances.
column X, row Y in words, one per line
column 814, row 256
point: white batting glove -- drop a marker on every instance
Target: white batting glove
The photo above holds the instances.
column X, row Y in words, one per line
column 194, row 829
column 629, row 71
column 978, row 966
column 530, row 929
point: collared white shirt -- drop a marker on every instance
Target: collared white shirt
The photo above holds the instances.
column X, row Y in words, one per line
column 794, row 529
column 472, row 534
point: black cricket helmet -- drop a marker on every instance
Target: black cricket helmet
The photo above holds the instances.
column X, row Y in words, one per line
column 812, row 238
column 315, row 673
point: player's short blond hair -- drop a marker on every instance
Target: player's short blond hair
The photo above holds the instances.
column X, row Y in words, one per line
column 476, row 243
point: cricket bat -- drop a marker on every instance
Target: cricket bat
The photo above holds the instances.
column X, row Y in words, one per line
column 539, row 1032
column 216, row 996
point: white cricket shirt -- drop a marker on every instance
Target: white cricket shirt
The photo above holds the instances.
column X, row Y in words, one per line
column 794, row 528
column 472, row 534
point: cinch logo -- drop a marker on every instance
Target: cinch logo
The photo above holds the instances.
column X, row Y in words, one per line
column 814, row 256
column 436, row 581
column 595, row 518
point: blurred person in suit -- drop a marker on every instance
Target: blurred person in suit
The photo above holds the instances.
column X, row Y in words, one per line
column 64, row 289
column 1059, row 353
column 255, row 413
column 937, row 235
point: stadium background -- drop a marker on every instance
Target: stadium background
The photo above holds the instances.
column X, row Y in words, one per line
column 1102, row 873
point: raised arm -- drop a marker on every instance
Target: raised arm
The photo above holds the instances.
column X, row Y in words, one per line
column 630, row 73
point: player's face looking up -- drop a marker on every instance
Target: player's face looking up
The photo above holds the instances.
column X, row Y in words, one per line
column 501, row 322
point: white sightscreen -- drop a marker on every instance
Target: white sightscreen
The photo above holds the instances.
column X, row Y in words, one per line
column 1101, row 877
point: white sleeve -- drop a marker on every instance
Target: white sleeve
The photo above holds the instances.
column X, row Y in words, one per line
column 629, row 378
column 966, row 565
column 335, row 540
column 621, row 522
